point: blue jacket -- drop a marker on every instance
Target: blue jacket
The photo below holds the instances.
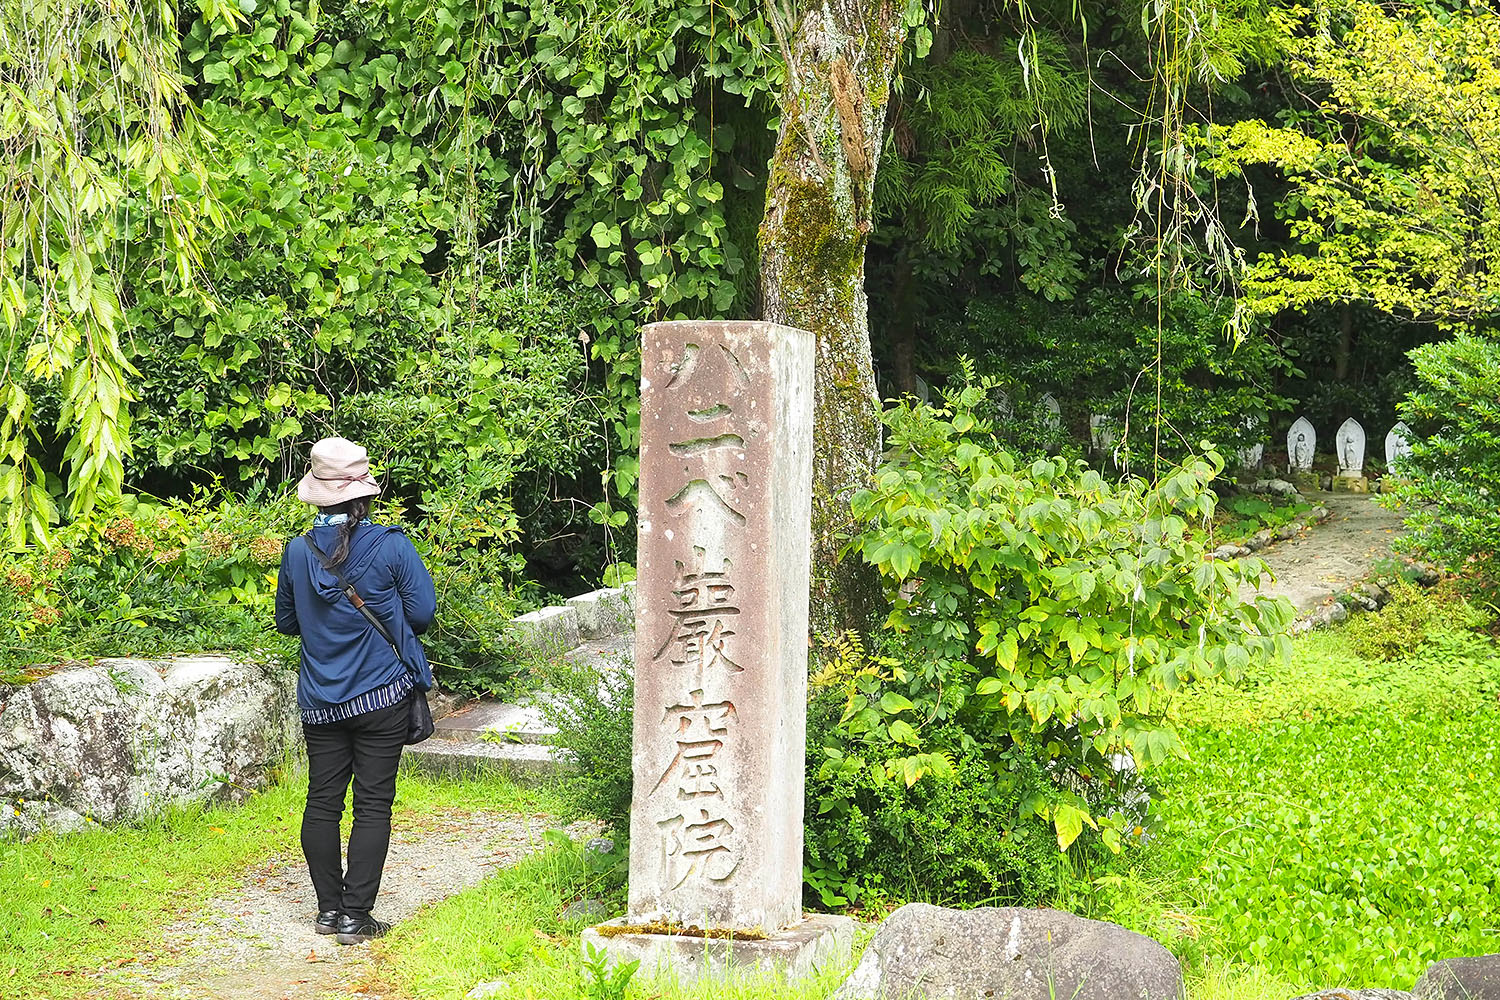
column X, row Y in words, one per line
column 342, row 655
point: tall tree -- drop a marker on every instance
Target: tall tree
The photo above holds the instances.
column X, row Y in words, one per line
column 1394, row 175
column 840, row 58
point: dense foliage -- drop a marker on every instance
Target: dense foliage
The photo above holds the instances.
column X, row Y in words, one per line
column 1102, row 358
column 143, row 577
column 1450, row 483
column 1392, row 175
column 439, row 226
column 103, row 175
column 1044, row 616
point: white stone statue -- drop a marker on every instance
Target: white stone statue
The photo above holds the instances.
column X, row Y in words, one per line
column 1350, row 441
column 1397, row 444
column 1301, row 444
column 1051, row 416
column 1101, row 432
column 1250, row 456
column 921, row 389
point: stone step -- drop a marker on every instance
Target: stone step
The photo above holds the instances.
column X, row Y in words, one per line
column 462, row 758
column 607, row 653
column 509, row 723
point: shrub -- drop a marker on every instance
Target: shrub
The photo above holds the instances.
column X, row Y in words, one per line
column 1408, row 620
column 957, row 835
column 1042, row 607
column 593, row 712
column 142, row 577
column 1450, row 484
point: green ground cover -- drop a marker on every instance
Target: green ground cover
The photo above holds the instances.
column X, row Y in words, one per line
column 76, row 902
column 1334, row 824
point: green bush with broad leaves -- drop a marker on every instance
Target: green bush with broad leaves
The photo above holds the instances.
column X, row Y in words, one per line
column 944, row 825
column 1449, row 486
column 1043, row 606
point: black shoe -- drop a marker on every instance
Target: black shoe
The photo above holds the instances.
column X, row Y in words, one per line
column 327, row 922
column 352, row 930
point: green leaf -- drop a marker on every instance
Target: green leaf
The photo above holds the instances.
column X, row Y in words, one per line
column 892, row 703
column 901, row 732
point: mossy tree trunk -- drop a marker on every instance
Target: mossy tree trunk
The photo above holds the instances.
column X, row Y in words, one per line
column 841, row 56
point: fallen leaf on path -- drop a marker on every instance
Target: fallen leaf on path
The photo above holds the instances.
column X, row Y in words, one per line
column 312, row 956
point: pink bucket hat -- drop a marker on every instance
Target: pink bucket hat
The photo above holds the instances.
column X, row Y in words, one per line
column 340, row 471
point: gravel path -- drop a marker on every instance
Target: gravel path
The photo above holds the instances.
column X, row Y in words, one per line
column 1316, row 564
column 258, row 943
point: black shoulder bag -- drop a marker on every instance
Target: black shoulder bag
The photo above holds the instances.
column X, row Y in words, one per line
column 419, row 723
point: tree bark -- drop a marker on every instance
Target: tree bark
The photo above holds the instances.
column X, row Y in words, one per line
column 1344, row 349
column 841, row 56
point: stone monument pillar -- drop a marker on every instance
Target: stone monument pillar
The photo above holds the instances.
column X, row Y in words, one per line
column 1349, row 444
column 721, row 656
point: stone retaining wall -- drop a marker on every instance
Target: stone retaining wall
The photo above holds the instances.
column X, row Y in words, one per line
column 117, row 739
column 598, row 614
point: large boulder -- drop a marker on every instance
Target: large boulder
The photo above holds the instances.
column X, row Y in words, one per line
column 117, row 739
column 1476, row 978
column 924, row 952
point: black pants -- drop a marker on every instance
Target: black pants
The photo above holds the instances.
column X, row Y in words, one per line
column 367, row 748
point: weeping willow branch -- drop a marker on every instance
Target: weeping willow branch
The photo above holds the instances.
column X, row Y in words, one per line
column 99, row 172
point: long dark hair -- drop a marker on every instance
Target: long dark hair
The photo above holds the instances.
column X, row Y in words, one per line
column 356, row 511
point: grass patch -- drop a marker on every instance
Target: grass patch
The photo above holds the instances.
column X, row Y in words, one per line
column 80, row 901
column 510, row 929
column 1335, row 825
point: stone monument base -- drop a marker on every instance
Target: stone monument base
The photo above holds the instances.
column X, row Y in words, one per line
column 1304, row 479
column 1351, row 484
column 797, row 953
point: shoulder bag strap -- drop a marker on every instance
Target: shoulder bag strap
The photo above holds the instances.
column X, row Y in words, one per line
column 358, row 602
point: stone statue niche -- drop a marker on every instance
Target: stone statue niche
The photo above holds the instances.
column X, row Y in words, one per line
column 1350, row 441
column 1349, row 447
column 1049, row 412
column 1252, row 455
column 1397, row 445
column 1102, row 434
column 1301, row 445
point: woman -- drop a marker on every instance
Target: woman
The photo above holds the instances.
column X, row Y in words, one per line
column 352, row 688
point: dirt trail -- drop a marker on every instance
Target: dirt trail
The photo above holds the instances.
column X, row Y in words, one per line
column 258, row 943
column 1316, row 564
